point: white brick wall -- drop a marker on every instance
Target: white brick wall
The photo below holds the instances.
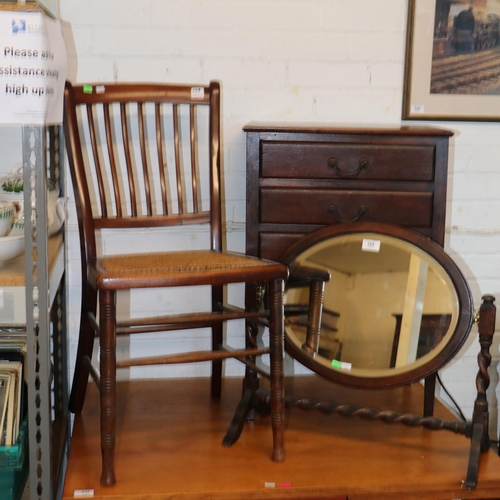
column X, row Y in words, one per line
column 315, row 60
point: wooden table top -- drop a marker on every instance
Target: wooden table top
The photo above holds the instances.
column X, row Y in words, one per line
column 169, row 436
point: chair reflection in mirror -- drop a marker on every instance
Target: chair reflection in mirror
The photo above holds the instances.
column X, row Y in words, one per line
column 306, row 314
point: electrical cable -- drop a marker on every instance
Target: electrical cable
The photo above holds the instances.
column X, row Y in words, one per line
column 494, row 442
column 451, row 397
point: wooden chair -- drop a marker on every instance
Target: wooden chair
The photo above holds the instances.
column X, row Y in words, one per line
column 149, row 156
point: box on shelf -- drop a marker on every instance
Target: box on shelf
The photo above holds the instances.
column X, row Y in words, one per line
column 14, row 466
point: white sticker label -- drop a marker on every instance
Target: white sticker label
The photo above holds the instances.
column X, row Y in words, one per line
column 100, row 89
column 341, row 365
column 418, row 108
column 370, row 245
column 83, row 494
column 197, row 92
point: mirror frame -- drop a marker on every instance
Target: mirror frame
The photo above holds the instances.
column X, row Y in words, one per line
column 435, row 251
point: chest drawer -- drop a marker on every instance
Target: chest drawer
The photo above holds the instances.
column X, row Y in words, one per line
column 329, row 206
column 316, row 160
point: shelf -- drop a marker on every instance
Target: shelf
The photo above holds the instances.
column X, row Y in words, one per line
column 12, row 283
column 21, row 7
column 12, row 271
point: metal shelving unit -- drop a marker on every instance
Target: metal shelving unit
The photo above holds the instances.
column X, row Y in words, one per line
column 46, row 329
column 37, row 288
column 44, row 281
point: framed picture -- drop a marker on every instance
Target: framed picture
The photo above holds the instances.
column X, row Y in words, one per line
column 452, row 69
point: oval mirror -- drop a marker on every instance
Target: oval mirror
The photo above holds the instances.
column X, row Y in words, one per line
column 395, row 309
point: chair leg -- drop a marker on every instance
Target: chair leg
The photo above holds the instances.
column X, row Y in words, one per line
column 85, row 349
column 216, row 379
column 254, row 301
column 276, row 334
column 107, row 316
column 217, row 338
column 245, row 410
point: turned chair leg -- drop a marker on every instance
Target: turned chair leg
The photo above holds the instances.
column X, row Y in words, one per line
column 276, row 332
column 107, row 314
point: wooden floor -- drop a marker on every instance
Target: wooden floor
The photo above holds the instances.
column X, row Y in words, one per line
column 169, row 447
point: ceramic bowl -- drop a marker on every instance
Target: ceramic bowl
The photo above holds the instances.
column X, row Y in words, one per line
column 11, row 247
column 56, row 215
column 17, row 227
column 6, row 217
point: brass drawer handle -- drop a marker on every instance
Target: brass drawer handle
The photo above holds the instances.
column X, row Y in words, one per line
column 333, row 162
column 332, row 209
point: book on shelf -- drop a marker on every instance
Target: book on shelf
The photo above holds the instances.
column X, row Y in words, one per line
column 9, row 430
column 12, row 372
column 13, row 347
column 4, row 400
column 13, row 383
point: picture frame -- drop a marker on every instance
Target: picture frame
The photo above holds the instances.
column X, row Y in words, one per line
column 444, row 52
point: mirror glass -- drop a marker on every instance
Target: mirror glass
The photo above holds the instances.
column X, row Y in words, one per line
column 388, row 305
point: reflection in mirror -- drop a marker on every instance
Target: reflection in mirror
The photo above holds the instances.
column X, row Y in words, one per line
column 388, row 306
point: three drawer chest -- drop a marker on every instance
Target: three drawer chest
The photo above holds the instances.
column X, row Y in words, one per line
column 302, row 177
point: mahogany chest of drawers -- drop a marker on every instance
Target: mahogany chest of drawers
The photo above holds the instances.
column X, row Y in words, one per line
column 302, row 177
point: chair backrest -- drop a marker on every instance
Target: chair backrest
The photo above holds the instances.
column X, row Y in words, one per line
column 144, row 155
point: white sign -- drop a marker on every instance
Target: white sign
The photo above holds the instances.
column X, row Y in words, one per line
column 32, row 69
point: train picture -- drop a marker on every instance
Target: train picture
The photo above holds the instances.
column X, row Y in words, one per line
column 466, row 47
column 452, row 68
column 471, row 32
